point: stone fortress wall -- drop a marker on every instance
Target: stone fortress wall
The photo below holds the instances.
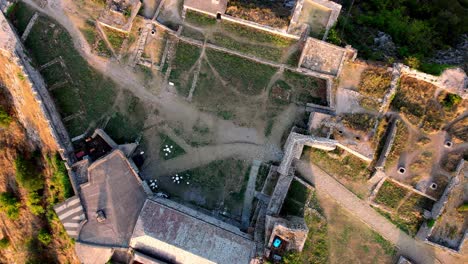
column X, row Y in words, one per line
column 36, row 109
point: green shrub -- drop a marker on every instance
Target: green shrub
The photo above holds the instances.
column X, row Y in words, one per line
column 61, row 184
column 34, row 203
column 10, row 205
column 434, row 68
column 431, row 222
column 463, row 208
column 5, row 118
column 451, row 100
column 4, row 243
column 413, row 62
column 26, row 174
column 44, row 237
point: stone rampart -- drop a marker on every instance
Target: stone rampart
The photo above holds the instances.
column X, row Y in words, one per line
column 295, row 144
column 36, row 109
column 451, row 80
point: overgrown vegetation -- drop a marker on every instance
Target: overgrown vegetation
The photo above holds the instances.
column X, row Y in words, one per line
column 271, row 13
column 115, row 38
column 5, row 118
column 317, row 246
column 390, row 194
column 4, row 243
column 417, row 28
column 338, row 163
column 405, row 209
column 19, row 15
column 375, row 82
column 60, row 186
column 10, row 205
column 359, row 121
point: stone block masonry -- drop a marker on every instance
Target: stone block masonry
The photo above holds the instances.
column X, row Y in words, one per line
column 35, row 108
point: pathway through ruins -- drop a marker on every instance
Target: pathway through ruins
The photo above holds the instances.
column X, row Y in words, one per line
column 408, row 246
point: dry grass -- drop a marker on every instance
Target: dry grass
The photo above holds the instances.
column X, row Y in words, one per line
column 375, row 82
column 399, row 144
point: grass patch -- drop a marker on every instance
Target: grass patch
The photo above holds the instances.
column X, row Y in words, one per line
column 387, row 247
column 409, row 216
column 115, row 38
column 256, row 35
column 185, row 58
column 193, row 33
column 412, row 97
column 60, row 187
column 167, row 142
column 317, row 246
column 390, row 194
column 248, row 77
column 89, row 34
column 434, row 68
column 20, row 16
column 269, row 127
column 359, row 121
column 102, row 49
column 338, row 163
column 121, row 129
column 199, row 19
column 219, row 182
column 307, row 89
column 54, row 74
column 90, row 91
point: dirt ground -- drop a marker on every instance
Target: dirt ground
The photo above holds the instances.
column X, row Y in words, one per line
column 316, row 16
column 350, row 240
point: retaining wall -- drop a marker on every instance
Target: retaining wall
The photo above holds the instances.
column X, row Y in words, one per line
column 36, row 109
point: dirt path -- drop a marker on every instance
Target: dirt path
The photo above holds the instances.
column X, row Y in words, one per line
column 415, row 249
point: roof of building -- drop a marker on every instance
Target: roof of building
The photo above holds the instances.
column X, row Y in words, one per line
column 71, row 214
column 322, row 57
column 207, row 6
column 115, row 188
column 175, row 236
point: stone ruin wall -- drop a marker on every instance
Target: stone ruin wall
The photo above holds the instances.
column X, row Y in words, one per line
column 34, row 106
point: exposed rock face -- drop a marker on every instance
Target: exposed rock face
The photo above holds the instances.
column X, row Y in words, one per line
column 454, row 56
column 384, row 43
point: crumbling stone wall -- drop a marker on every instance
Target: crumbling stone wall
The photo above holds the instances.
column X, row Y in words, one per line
column 35, row 108
column 452, row 80
column 335, row 13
